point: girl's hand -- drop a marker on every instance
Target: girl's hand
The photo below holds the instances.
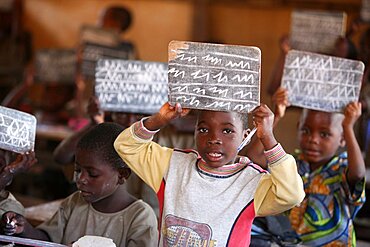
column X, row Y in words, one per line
column 351, row 113
column 263, row 119
column 12, row 223
column 22, row 163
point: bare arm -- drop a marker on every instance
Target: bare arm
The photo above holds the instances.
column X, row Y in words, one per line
column 356, row 164
column 22, row 163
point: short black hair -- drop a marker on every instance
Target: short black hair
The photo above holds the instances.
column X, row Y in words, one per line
column 120, row 15
column 99, row 141
column 242, row 116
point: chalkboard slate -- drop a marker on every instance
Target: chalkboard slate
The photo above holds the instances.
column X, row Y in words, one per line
column 213, row 76
column 17, row 130
column 99, row 36
column 365, row 10
column 321, row 82
column 131, row 86
column 55, row 65
column 316, row 31
column 91, row 53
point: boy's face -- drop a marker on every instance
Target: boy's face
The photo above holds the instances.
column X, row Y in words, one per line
column 217, row 136
column 320, row 136
column 94, row 178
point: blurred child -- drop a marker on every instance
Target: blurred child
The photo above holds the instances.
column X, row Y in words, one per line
column 9, row 167
column 102, row 206
column 207, row 198
column 333, row 179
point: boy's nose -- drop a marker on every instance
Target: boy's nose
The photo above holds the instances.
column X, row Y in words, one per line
column 81, row 179
column 214, row 141
column 313, row 139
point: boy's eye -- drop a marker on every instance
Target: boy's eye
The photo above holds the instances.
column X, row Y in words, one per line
column 202, row 130
column 324, row 134
column 228, row 131
column 305, row 131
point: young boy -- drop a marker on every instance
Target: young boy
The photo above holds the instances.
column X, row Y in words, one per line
column 206, row 197
column 102, row 205
column 8, row 168
column 333, row 181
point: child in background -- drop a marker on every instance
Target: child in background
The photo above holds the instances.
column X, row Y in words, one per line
column 207, row 198
column 333, row 180
column 102, row 206
column 8, row 168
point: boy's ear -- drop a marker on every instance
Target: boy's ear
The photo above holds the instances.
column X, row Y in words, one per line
column 123, row 174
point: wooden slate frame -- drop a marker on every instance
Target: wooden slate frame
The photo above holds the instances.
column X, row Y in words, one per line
column 17, row 130
column 131, row 86
column 321, row 82
column 316, row 31
column 213, row 76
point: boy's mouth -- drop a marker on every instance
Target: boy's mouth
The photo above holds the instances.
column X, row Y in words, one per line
column 214, row 156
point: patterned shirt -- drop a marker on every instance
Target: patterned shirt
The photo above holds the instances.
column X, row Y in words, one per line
column 325, row 217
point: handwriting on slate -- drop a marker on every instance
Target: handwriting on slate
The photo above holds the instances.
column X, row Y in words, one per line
column 215, row 77
column 131, row 86
column 316, row 31
column 321, row 82
column 17, row 130
column 56, row 66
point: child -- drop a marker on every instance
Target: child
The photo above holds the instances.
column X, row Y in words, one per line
column 333, row 181
column 102, row 205
column 206, row 197
column 8, row 168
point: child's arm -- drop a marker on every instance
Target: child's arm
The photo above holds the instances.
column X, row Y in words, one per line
column 166, row 114
column 13, row 223
column 22, row 163
column 283, row 188
column 356, row 165
column 147, row 159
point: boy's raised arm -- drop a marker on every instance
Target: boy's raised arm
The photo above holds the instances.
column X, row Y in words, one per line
column 356, row 165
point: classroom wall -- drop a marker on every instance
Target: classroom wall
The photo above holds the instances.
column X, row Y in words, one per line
column 156, row 22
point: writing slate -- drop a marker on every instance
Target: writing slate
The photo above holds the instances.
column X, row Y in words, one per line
column 17, row 130
column 365, row 10
column 321, row 82
column 55, row 65
column 100, row 36
column 91, row 53
column 131, row 86
column 213, row 76
column 316, row 31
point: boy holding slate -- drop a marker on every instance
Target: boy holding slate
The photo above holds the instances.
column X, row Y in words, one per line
column 334, row 180
column 209, row 197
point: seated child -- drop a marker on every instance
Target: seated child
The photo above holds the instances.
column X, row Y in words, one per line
column 102, row 206
column 207, row 198
column 333, row 179
column 8, row 168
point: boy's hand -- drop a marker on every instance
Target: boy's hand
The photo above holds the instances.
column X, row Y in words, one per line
column 280, row 101
column 166, row 114
column 22, row 163
column 94, row 111
column 351, row 113
column 12, row 223
column 263, row 119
